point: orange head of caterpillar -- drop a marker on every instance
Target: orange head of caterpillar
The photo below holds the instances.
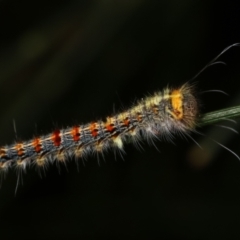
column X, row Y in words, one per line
column 184, row 105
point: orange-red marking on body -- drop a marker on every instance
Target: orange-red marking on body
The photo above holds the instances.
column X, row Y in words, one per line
column 110, row 127
column 20, row 149
column 75, row 133
column 56, row 138
column 93, row 129
column 37, row 145
column 126, row 122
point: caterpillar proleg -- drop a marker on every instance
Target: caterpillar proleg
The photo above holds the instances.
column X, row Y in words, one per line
column 161, row 115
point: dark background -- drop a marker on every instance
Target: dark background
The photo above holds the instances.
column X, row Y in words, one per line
column 66, row 62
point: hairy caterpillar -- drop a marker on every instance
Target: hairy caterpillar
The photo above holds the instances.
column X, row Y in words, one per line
column 167, row 112
column 161, row 115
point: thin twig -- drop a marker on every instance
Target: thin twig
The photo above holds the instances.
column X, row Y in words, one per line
column 217, row 116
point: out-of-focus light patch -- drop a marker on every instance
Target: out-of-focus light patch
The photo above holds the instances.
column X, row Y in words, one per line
column 200, row 158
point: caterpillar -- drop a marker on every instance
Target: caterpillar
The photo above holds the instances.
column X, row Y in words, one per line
column 161, row 115
column 174, row 110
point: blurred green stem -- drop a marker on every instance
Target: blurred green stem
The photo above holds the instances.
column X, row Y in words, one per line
column 217, row 116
